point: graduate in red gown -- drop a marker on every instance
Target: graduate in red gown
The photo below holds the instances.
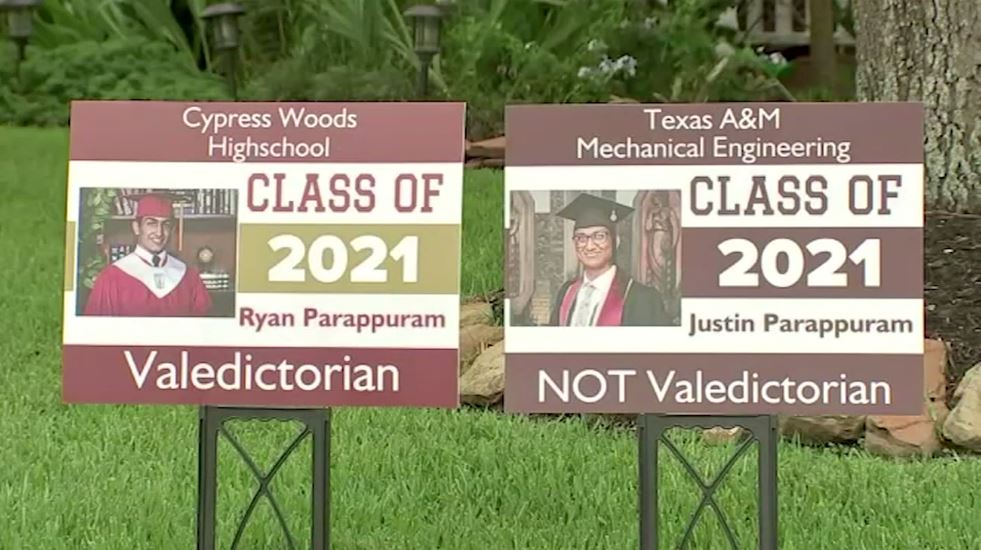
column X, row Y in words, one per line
column 149, row 282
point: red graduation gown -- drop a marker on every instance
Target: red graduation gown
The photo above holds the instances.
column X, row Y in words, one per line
column 132, row 288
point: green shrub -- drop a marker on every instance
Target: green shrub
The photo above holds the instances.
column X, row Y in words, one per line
column 115, row 69
column 678, row 53
column 588, row 51
column 292, row 80
column 494, row 54
column 504, row 71
column 492, row 62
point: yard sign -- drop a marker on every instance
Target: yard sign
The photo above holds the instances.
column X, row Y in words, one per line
column 263, row 254
column 768, row 258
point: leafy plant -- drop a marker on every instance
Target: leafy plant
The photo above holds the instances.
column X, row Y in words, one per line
column 339, row 50
column 495, row 52
column 501, row 52
column 289, row 80
column 678, row 52
column 64, row 22
column 97, row 207
column 130, row 68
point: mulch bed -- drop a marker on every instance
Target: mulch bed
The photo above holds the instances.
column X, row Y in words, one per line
column 952, row 287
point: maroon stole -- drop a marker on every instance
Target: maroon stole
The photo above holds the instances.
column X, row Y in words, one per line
column 612, row 312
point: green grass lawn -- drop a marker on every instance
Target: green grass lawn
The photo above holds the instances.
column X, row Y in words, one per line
column 124, row 477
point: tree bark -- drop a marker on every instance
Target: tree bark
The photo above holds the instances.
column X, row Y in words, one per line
column 822, row 35
column 929, row 51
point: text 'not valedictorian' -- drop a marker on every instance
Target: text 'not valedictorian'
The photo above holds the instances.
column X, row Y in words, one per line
column 714, row 258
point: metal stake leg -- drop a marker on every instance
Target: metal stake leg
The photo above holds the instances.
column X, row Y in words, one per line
column 762, row 429
column 212, row 424
column 768, row 493
column 207, row 479
column 648, row 483
column 320, row 522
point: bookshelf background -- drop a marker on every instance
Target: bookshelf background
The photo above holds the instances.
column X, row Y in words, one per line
column 205, row 218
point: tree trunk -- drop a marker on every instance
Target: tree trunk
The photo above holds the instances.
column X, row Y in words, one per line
column 822, row 34
column 929, row 51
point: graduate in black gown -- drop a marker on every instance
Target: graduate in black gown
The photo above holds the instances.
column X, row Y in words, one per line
column 603, row 294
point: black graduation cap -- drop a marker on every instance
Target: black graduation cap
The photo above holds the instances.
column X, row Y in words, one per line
column 590, row 211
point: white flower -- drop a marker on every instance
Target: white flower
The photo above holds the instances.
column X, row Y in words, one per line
column 775, row 58
column 584, row 72
column 595, row 45
column 627, row 64
column 607, row 65
column 650, row 22
column 724, row 49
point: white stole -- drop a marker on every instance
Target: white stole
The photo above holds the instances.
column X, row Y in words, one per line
column 161, row 281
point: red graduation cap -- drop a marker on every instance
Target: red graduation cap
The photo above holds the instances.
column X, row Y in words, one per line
column 155, row 204
column 159, row 205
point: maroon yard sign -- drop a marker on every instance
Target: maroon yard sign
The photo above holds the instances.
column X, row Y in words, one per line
column 732, row 259
column 263, row 254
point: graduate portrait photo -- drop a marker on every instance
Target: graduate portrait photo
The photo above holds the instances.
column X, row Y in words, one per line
column 594, row 258
column 157, row 252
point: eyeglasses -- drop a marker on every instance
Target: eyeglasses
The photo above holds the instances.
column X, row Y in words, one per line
column 599, row 238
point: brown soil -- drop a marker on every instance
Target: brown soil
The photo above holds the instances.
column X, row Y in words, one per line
column 952, row 288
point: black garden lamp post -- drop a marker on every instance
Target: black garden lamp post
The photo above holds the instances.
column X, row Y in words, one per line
column 20, row 24
column 223, row 19
column 426, row 22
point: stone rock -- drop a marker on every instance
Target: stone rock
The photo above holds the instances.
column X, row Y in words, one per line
column 721, row 436
column 492, row 148
column 475, row 339
column 823, row 429
column 963, row 425
column 483, row 383
column 478, row 162
column 935, row 354
column 492, row 163
column 902, row 436
column 475, row 313
column 915, row 435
